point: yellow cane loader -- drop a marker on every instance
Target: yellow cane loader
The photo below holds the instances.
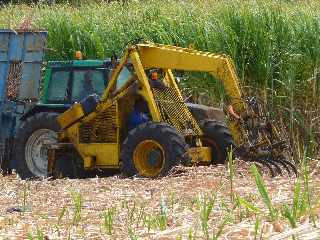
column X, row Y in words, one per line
column 142, row 125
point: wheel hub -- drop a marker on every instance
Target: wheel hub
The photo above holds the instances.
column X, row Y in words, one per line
column 36, row 151
column 149, row 158
column 154, row 158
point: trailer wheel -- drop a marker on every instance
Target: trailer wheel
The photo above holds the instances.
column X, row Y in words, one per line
column 218, row 137
column 152, row 149
column 32, row 139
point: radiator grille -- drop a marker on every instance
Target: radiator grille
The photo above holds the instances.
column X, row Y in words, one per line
column 102, row 129
column 175, row 112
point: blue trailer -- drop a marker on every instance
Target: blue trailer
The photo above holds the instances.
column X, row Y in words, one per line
column 28, row 119
column 21, row 57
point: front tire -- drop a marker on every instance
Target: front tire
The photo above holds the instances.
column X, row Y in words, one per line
column 152, row 149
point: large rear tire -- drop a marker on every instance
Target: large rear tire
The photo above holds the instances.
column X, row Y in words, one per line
column 152, row 149
column 218, row 137
column 31, row 145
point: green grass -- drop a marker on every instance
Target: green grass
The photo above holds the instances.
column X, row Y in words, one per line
column 77, row 206
column 39, row 235
column 298, row 208
column 257, row 226
column 231, row 170
column 162, row 218
column 275, row 44
column 302, row 205
column 264, row 193
column 109, row 217
column 205, row 205
column 267, row 39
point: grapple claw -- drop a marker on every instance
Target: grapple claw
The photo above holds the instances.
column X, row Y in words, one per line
column 264, row 143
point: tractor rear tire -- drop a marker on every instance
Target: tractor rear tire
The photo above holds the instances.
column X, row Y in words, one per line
column 152, row 149
column 30, row 146
column 218, row 137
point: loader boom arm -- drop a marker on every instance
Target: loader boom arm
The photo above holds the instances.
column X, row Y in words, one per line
column 170, row 57
column 220, row 66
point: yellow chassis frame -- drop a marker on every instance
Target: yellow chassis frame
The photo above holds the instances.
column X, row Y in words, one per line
column 146, row 56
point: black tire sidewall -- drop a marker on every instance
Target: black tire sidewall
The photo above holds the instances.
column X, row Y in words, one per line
column 172, row 142
column 43, row 120
column 219, row 133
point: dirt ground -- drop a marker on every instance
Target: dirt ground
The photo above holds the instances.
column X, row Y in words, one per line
column 173, row 207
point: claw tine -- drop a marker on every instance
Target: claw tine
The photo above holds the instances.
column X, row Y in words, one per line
column 275, row 164
column 284, row 165
column 267, row 165
column 289, row 164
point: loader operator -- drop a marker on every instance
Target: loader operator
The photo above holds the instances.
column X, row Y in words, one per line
column 155, row 81
column 139, row 114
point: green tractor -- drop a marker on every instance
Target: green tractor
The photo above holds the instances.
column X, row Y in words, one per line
column 31, row 99
column 65, row 82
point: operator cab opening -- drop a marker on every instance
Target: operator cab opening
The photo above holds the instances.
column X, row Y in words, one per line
column 73, row 85
column 135, row 110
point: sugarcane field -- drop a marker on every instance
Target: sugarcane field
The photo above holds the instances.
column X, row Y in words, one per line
column 150, row 119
